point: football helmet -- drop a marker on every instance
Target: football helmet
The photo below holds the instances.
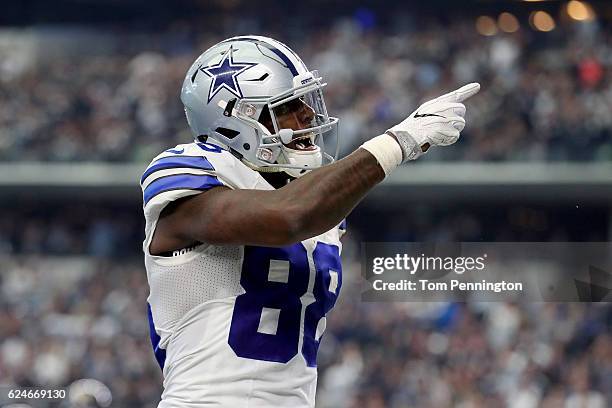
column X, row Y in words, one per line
column 254, row 96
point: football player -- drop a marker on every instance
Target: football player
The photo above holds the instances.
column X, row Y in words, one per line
column 243, row 226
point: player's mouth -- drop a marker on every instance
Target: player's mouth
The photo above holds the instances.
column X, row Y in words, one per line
column 302, row 143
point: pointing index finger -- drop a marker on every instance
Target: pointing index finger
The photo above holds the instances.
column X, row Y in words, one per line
column 460, row 94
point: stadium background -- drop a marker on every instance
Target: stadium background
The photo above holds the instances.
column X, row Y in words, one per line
column 89, row 93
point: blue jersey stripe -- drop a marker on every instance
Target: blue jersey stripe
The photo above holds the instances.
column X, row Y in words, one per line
column 180, row 182
column 170, row 162
column 342, row 225
column 160, row 353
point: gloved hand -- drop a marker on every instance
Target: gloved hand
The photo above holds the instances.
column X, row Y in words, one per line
column 435, row 123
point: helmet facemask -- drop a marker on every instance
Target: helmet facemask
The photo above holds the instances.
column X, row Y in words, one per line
column 293, row 127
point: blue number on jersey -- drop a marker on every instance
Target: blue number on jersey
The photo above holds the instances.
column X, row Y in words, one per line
column 244, row 338
column 326, row 289
column 260, row 293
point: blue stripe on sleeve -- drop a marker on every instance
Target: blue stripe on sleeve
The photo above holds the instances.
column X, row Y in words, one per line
column 171, row 162
column 180, row 182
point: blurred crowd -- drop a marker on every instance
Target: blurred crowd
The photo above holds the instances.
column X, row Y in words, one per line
column 65, row 319
column 73, row 293
column 468, row 355
column 74, row 228
column 73, row 287
column 545, row 96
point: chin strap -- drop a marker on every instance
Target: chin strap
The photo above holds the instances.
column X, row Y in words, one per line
column 262, row 169
column 274, row 170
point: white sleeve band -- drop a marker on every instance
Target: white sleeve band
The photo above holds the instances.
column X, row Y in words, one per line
column 386, row 150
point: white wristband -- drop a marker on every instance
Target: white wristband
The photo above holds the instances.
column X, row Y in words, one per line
column 386, row 150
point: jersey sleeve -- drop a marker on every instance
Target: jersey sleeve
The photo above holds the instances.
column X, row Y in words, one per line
column 171, row 177
column 188, row 170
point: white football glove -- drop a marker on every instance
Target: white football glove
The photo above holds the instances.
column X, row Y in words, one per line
column 435, row 123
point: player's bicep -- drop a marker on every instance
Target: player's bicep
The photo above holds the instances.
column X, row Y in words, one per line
column 176, row 227
column 222, row 216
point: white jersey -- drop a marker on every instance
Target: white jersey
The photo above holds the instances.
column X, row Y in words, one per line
column 234, row 326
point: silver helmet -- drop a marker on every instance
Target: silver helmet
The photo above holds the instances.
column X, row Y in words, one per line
column 254, row 96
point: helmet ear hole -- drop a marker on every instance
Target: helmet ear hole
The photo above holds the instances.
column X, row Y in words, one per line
column 229, row 133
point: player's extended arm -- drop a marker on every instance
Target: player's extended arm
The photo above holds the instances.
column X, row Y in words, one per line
column 317, row 201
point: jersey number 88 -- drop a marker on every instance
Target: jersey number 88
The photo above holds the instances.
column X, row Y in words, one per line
column 283, row 299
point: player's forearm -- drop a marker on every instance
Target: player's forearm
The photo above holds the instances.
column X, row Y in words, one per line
column 321, row 199
column 304, row 208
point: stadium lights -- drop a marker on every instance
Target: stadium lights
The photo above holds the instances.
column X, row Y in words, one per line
column 485, row 25
column 580, row 11
column 542, row 21
column 507, row 22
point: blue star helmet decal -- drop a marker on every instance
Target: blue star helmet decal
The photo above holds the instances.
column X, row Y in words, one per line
column 224, row 75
